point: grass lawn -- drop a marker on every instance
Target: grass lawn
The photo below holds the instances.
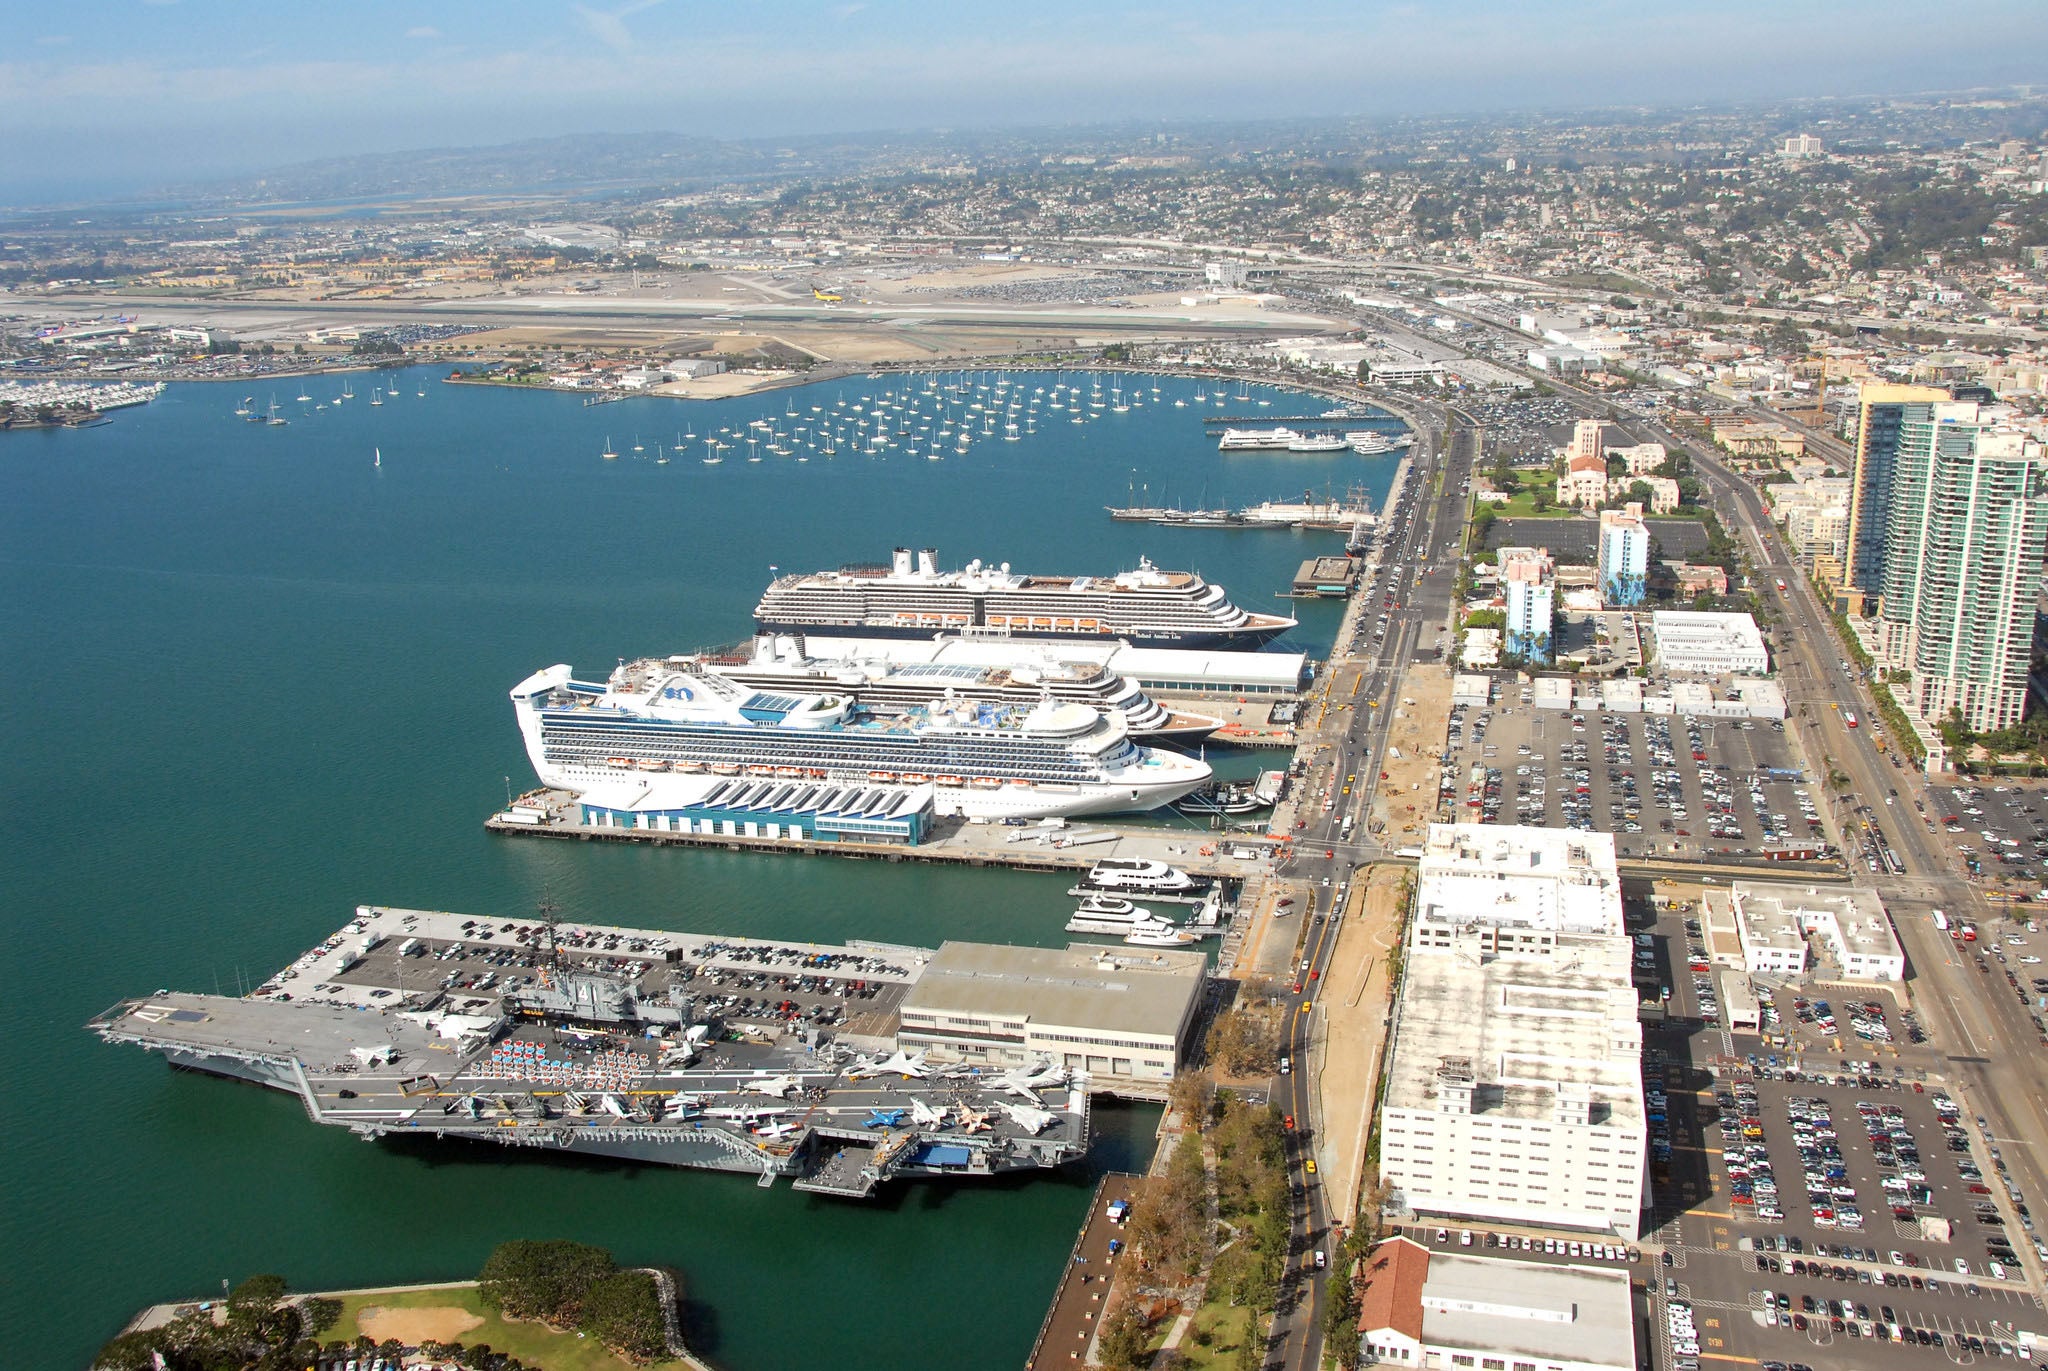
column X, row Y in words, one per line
column 1522, row 505
column 533, row 1343
column 1226, row 1326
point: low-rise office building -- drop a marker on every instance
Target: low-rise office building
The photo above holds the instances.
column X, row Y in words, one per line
column 1694, row 643
column 1775, row 926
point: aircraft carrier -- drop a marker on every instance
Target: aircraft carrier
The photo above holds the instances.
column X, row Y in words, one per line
column 770, row 1059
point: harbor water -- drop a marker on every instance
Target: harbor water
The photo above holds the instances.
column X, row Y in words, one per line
column 261, row 676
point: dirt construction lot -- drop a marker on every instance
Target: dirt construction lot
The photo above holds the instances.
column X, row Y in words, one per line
column 1355, row 998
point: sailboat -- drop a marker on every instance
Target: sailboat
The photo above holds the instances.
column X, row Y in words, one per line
column 303, row 397
column 273, row 420
column 608, row 454
column 377, row 396
column 378, row 460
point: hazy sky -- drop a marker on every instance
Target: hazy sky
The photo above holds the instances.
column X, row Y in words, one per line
column 96, row 94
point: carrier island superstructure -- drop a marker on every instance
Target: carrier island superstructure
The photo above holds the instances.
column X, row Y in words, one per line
column 726, row 1054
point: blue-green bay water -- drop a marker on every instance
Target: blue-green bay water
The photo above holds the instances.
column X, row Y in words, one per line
column 257, row 681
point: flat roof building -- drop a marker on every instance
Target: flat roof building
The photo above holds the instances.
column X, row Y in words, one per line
column 1780, row 928
column 1692, row 643
column 1624, row 560
column 1514, row 1080
column 1528, row 581
column 1114, row 1013
column 1512, row 877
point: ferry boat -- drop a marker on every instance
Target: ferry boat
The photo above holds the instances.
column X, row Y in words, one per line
column 1256, row 439
column 1030, row 671
column 1141, row 874
column 907, row 599
column 1323, row 442
column 1051, row 759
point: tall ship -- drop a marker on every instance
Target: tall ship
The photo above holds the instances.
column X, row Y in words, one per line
column 1031, row 671
column 914, row 599
column 673, row 729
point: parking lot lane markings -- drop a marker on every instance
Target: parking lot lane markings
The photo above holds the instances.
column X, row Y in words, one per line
column 1728, row 1357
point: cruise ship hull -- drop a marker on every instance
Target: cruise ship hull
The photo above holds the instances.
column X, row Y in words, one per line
column 1008, row 800
column 1262, row 630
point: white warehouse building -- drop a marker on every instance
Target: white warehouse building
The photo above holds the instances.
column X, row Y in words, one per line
column 1514, row 1082
column 1692, row 643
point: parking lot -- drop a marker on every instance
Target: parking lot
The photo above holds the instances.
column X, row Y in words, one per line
column 743, row 983
column 2000, row 830
column 1794, row 1167
column 1663, row 785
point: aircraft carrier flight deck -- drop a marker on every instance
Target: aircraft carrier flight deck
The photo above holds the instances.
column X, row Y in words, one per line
column 768, row 1058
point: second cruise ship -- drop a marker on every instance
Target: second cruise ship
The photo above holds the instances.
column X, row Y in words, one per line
column 669, row 724
column 914, row 599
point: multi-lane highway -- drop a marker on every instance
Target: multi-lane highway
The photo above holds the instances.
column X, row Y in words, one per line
column 1345, row 736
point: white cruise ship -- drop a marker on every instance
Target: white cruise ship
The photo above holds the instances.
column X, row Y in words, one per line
column 781, row 662
column 667, row 725
column 914, row 599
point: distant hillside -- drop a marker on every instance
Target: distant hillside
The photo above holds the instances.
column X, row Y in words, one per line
column 579, row 161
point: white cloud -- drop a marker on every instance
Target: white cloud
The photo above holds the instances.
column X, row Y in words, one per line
column 423, row 31
column 609, row 26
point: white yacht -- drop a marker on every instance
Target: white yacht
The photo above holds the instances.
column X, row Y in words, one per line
column 1140, row 874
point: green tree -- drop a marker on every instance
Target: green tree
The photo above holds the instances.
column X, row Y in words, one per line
column 623, row 1311
column 256, row 1296
column 524, row 1279
column 1340, row 1312
column 1540, row 497
column 1121, row 1343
